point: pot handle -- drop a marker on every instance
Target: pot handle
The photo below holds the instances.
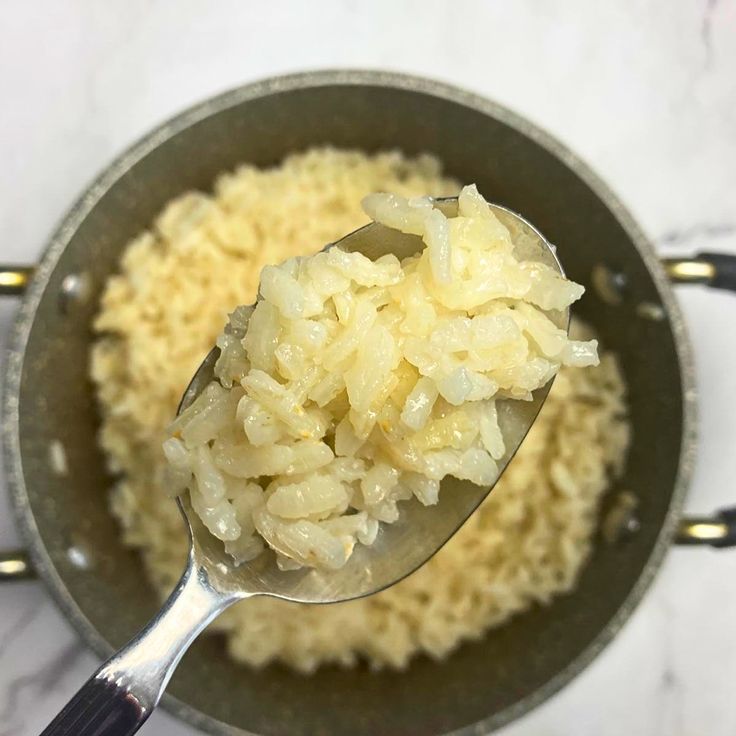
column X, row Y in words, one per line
column 717, row 531
column 14, row 279
column 717, row 270
column 16, row 564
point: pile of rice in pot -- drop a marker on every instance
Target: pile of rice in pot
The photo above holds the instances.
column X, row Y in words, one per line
column 160, row 316
column 354, row 385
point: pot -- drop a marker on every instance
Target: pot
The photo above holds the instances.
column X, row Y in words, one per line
column 73, row 543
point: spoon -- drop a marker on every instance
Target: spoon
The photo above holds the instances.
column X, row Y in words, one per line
column 120, row 696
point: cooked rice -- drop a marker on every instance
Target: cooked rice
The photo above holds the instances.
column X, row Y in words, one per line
column 354, row 385
column 159, row 318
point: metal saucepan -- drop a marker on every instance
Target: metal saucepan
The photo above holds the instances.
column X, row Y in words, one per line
column 73, row 543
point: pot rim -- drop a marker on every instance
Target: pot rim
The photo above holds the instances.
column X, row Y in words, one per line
column 300, row 81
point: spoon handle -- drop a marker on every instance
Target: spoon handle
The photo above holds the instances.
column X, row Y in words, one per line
column 99, row 708
column 120, row 696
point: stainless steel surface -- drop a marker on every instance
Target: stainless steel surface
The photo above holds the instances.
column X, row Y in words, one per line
column 144, row 666
column 485, row 683
column 121, row 695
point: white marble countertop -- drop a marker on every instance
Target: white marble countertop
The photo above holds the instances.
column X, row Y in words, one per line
column 645, row 92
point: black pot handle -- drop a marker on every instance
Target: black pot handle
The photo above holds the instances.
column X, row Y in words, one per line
column 717, row 270
column 100, row 708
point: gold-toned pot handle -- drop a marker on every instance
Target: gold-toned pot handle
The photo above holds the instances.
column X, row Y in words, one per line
column 15, row 565
column 712, row 531
column 14, row 279
column 717, row 270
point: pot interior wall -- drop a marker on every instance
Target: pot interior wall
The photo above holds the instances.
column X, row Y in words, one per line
column 480, row 680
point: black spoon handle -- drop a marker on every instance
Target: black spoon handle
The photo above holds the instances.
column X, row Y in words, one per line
column 100, row 708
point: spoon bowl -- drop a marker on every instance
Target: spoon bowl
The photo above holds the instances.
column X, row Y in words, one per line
column 421, row 531
column 123, row 692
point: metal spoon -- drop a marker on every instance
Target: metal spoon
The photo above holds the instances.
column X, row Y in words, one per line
column 121, row 695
